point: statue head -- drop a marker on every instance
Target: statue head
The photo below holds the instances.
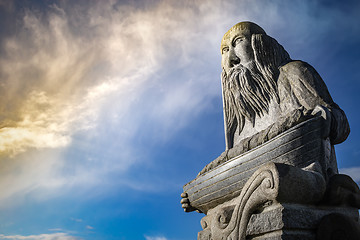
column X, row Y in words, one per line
column 250, row 63
column 236, row 45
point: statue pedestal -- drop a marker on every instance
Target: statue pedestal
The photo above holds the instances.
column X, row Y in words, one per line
column 293, row 221
column 268, row 209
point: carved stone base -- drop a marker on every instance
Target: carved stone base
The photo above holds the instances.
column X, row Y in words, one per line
column 293, row 221
column 277, row 202
column 287, row 222
column 283, row 189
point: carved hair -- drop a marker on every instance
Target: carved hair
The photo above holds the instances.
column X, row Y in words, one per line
column 269, row 55
column 247, row 92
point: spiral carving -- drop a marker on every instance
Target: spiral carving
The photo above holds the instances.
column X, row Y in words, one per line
column 205, row 234
column 204, row 223
column 262, row 187
column 271, row 183
column 224, row 216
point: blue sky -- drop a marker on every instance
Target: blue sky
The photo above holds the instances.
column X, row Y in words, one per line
column 107, row 108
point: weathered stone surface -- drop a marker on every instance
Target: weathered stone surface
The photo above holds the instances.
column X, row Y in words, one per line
column 278, row 176
column 265, row 92
column 279, row 201
column 262, row 85
column 270, row 184
column 338, row 226
column 299, row 146
column 287, row 216
column 342, row 191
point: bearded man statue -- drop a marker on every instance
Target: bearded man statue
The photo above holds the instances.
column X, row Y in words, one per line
column 265, row 93
column 262, row 85
column 281, row 126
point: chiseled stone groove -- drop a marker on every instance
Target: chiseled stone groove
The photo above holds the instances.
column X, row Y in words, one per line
column 221, row 184
column 258, row 152
column 248, row 171
column 234, row 193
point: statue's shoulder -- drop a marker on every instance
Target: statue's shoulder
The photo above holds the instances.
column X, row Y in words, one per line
column 297, row 71
column 297, row 68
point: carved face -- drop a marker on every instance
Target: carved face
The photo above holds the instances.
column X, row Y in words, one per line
column 236, row 49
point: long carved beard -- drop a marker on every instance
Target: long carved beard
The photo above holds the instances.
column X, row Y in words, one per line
column 247, row 94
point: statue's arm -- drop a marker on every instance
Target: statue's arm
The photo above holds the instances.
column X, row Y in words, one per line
column 309, row 91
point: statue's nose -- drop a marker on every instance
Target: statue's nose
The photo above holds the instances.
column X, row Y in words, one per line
column 233, row 59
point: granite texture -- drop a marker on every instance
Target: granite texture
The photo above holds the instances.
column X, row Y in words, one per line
column 271, row 184
column 287, row 216
column 300, row 146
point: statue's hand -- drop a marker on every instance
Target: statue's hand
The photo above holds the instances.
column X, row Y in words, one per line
column 185, row 203
column 323, row 112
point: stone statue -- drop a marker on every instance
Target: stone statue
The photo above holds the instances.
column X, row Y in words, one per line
column 262, row 86
column 281, row 126
column 266, row 93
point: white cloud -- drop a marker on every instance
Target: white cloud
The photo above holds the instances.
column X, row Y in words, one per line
column 94, row 69
column 41, row 126
column 155, row 238
column 51, row 236
column 59, row 75
column 29, row 172
column 89, row 227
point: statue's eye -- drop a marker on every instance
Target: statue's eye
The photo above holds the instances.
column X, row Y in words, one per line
column 237, row 41
column 224, row 50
